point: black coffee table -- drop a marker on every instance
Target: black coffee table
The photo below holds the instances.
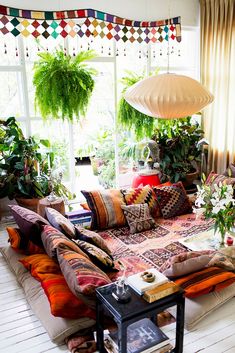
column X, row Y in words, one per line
column 137, row 308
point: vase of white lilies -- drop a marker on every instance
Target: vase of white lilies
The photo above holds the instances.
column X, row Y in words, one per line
column 217, row 202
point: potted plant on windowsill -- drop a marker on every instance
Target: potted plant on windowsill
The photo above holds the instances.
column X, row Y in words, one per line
column 23, row 168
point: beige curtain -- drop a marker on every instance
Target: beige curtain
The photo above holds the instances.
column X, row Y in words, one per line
column 217, row 19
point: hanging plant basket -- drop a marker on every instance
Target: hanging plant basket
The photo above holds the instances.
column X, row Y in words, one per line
column 63, row 84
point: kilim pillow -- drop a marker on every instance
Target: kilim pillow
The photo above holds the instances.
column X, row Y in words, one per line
column 173, row 200
column 106, row 208
column 29, row 222
column 21, row 243
column 138, row 218
column 230, row 171
column 205, row 281
column 61, row 223
column 142, row 195
column 82, row 276
column 98, row 256
column 216, row 179
column 52, row 238
column 93, row 238
column 62, row 301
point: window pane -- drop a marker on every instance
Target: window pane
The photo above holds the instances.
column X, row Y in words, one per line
column 11, row 98
column 9, row 51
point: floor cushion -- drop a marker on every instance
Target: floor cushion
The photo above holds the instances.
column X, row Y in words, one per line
column 57, row 328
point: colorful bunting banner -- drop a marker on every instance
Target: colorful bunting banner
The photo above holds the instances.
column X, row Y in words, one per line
column 89, row 23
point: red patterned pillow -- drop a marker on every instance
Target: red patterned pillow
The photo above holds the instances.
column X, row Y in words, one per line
column 205, row 281
column 22, row 244
column 142, row 195
column 82, row 276
column 62, row 301
column 173, row 200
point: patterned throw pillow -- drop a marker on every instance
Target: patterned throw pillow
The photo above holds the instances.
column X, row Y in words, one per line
column 82, row 276
column 230, row 171
column 140, row 196
column 21, row 243
column 216, row 179
column 29, row 222
column 93, row 238
column 205, row 281
column 106, row 208
column 138, row 218
column 52, row 238
column 98, row 256
column 62, row 301
column 221, row 260
column 61, row 223
column 173, row 200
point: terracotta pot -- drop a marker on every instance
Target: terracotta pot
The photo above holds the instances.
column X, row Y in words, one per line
column 189, row 178
column 31, row 204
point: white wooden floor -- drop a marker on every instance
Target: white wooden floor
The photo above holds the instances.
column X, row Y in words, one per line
column 21, row 331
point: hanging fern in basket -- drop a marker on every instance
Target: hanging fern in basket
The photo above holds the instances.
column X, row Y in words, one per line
column 129, row 117
column 63, row 84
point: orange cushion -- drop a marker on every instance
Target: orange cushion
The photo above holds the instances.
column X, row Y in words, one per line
column 62, row 301
column 85, row 206
column 205, row 281
column 22, row 244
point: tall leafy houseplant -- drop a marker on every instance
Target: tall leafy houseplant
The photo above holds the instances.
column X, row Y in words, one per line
column 63, row 83
column 23, row 168
column 178, row 144
column 130, row 118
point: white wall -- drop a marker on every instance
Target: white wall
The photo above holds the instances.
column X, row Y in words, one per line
column 148, row 10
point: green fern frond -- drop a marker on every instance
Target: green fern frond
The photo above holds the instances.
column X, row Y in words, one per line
column 63, row 84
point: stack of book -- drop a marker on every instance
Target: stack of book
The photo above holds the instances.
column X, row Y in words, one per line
column 142, row 336
column 157, row 289
column 81, row 217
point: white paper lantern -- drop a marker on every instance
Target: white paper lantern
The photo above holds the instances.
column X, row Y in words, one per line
column 168, row 96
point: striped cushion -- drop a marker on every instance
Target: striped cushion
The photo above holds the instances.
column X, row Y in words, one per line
column 52, row 237
column 93, row 238
column 142, row 195
column 29, row 223
column 61, row 223
column 82, row 276
column 21, row 243
column 205, row 281
column 62, row 301
column 98, row 256
column 106, row 208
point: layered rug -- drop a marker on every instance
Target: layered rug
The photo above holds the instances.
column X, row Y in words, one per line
column 153, row 247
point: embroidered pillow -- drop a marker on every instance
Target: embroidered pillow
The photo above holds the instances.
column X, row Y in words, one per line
column 93, row 238
column 205, row 281
column 63, row 302
column 61, row 223
column 29, row 222
column 221, row 260
column 52, row 238
column 106, row 208
column 142, row 195
column 98, row 256
column 82, row 276
column 21, row 243
column 173, row 200
column 138, row 218
column 214, row 178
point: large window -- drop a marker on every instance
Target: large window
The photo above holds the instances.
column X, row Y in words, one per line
column 95, row 136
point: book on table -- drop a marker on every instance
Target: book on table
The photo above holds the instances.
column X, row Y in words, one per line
column 159, row 292
column 143, row 336
column 140, row 286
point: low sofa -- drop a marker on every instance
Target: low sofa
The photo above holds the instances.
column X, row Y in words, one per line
column 142, row 236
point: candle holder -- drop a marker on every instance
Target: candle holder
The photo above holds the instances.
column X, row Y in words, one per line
column 121, row 291
column 52, row 196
